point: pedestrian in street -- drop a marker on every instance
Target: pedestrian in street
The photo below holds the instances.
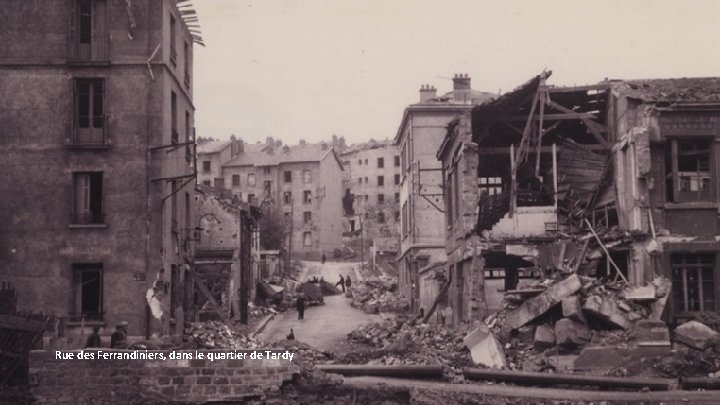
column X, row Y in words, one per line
column 348, row 282
column 94, row 339
column 323, row 259
column 341, row 283
column 300, row 306
column 119, row 338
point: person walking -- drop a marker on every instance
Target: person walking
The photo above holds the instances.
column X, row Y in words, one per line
column 323, row 259
column 300, row 306
column 348, row 282
column 341, row 283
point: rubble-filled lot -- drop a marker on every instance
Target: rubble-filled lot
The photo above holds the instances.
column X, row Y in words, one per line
column 375, row 296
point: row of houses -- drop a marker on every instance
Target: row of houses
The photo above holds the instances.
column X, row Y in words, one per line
column 528, row 178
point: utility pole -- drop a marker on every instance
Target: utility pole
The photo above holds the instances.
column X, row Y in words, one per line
column 290, row 237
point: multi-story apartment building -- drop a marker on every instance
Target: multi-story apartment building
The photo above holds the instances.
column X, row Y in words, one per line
column 372, row 180
column 615, row 180
column 96, row 155
column 304, row 180
column 421, row 132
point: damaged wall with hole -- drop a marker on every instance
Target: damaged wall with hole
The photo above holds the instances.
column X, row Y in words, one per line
column 85, row 229
column 615, row 181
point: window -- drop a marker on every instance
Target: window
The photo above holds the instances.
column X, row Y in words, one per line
column 307, row 239
column 236, row 180
column 366, row 180
column 307, row 176
column 397, row 179
column 188, row 137
column 186, row 62
column 88, row 291
column 366, row 161
column 251, row 179
column 88, row 199
column 207, row 166
column 174, row 205
column 490, row 185
column 360, row 162
column 687, row 164
column 307, row 217
column 404, row 218
column 89, row 38
column 381, row 162
column 267, row 186
column 173, row 52
column 287, row 197
column 89, row 111
column 397, row 216
column 693, row 282
column 173, row 118
column 397, row 197
column 266, row 170
column 85, row 23
column 307, row 197
column 380, row 181
column 288, row 176
column 381, row 198
column 397, row 161
column 359, row 180
column 219, row 182
column 251, row 198
column 381, row 217
column 366, row 197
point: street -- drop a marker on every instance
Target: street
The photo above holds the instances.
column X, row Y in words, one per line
column 325, row 326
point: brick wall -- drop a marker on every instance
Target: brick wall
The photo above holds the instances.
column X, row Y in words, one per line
column 139, row 381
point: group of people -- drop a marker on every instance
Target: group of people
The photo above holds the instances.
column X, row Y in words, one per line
column 118, row 340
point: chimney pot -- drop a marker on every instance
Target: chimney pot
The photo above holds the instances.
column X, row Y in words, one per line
column 461, row 89
column 427, row 92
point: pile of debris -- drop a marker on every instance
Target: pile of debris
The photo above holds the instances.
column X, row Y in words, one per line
column 304, row 353
column 260, row 311
column 217, row 335
column 405, row 341
column 374, row 296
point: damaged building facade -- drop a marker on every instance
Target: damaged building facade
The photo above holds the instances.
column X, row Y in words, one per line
column 100, row 125
column 615, row 181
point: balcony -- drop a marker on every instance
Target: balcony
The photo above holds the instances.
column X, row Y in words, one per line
column 87, row 219
column 94, row 136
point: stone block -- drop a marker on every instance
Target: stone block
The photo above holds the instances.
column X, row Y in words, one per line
column 652, row 333
column 544, row 337
column 562, row 362
column 571, row 334
column 696, row 335
column 538, row 305
column 644, row 293
column 598, row 359
column 606, row 310
column 526, row 334
column 572, row 309
column 485, row 349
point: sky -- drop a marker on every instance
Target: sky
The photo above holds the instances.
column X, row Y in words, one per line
column 308, row 69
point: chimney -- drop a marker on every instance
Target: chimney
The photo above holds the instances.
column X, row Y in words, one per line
column 323, row 145
column 426, row 93
column 461, row 89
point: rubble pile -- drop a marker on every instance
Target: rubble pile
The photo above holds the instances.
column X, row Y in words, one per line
column 304, row 353
column 376, row 296
column 260, row 311
column 404, row 341
column 217, row 335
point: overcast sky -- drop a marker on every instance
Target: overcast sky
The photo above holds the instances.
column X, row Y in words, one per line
column 308, row 69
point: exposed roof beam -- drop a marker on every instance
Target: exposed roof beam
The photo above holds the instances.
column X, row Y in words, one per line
column 553, row 117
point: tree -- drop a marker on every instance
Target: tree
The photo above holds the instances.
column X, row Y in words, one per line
column 273, row 227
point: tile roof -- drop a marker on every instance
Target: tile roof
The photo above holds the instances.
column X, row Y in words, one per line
column 680, row 90
column 260, row 155
column 212, row 146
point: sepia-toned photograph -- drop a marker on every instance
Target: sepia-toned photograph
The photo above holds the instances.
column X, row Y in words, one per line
column 354, row 202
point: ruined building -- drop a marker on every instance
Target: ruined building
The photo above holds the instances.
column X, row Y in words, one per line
column 421, row 132
column 97, row 160
column 616, row 180
column 304, row 181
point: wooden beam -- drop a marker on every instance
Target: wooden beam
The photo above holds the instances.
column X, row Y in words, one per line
column 594, row 127
column 578, row 88
column 207, row 294
column 554, row 117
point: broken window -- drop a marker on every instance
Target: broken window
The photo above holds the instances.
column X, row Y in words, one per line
column 207, row 166
column 687, row 163
column 693, row 282
column 288, row 176
column 307, row 217
column 89, row 111
column 287, row 197
column 381, row 198
column 251, row 179
column 88, row 199
column 606, row 270
column 236, row 180
column 380, row 163
column 88, row 291
column 307, row 239
column 307, row 176
column 307, row 197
